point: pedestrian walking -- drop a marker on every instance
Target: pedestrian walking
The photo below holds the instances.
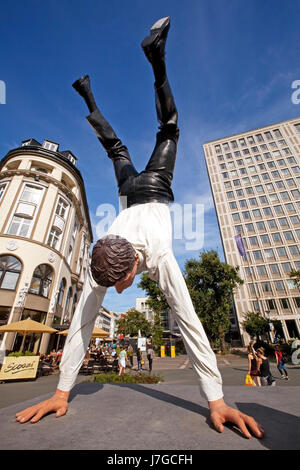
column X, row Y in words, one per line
column 264, row 368
column 130, row 354
column 122, row 361
column 252, row 365
column 150, row 354
column 139, row 358
column 281, row 363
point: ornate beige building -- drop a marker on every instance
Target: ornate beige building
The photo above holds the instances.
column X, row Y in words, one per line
column 45, row 235
column 255, row 181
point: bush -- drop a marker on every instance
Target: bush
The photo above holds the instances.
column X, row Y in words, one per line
column 20, row 353
column 113, row 377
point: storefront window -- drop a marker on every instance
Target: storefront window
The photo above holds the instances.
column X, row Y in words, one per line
column 10, row 269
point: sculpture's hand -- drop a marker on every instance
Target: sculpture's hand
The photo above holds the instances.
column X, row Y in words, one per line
column 221, row 413
column 58, row 403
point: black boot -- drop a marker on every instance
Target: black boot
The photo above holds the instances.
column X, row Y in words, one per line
column 154, row 49
column 82, row 86
column 154, row 45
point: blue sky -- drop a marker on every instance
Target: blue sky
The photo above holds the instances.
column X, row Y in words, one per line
column 231, row 64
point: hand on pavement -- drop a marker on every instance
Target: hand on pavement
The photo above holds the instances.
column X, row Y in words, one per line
column 220, row 413
column 58, row 403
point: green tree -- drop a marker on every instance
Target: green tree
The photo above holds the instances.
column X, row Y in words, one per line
column 255, row 325
column 295, row 275
column 211, row 284
column 132, row 322
column 157, row 302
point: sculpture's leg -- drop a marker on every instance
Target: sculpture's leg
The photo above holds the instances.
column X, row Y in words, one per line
column 163, row 157
column 115, row 149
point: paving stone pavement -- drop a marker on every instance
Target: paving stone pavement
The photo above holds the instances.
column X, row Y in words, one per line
column 113, row 416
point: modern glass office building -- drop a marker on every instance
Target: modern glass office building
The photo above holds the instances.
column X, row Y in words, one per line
column 255, row 181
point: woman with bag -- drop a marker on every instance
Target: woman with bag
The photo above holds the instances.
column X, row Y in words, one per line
column 252, row 365
column 281, row 363
column 264, row 368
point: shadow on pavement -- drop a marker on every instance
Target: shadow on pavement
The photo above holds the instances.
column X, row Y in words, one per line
column 85, row 388
column 282, row 429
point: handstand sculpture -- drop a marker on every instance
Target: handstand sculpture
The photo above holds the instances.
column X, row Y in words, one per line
column 140, row 239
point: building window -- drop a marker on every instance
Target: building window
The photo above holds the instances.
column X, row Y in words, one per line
column 281, row 251
column 295, row 193
column 263, row 199
column 50, row 145
column 278, row 209
column 271, row 304
column 277, row 133
column 274, row 269
column 22, row 220
column 266, row 287
column 256, row 213
column 257, row 254
column 272, row 223
column 267, row 211
column 259, row 138
column 276, row 237
column 253, row 241
column 283, row 222
column 297, row 301
column 41, row 280
column 265, row 239
column 288, row 236
column 61, row 291
column 262, row 271
column 260, row 226
column 269, row 253
column 285, row 304
column 297, row 127
column 249, row 227
column 54, row 238
column 10, row 270
column 61, row 208
column 294, row 250
column 2, row 189
column 268, row 136
column 292, row 285
column 31, row 194
column 287, row 267
column 279, row 285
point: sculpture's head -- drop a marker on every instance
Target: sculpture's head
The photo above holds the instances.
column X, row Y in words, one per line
column 114, row 262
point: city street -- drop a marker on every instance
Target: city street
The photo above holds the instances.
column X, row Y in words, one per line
column 169, row 415
column 173, row 370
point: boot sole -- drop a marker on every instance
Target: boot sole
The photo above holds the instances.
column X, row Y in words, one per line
column 160, row 24
column 156, row 31
column 79, row 81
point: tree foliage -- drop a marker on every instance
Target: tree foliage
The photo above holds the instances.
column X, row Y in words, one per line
column 157, row 302
column 132, row 322
column 255, row 324
column 211, row 284
column 295, row 275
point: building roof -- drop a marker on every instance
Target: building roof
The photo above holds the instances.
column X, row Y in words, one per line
column 35, row 147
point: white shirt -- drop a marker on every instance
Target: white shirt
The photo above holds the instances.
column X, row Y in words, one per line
column 148, row 228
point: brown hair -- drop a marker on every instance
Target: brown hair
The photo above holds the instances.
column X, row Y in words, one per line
column 261, row 351
column 112, row 258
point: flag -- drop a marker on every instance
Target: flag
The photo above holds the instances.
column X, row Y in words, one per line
column 240, row 245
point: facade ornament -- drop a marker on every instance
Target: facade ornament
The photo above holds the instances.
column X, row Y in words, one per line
column 22, row 295
column 12, row 245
